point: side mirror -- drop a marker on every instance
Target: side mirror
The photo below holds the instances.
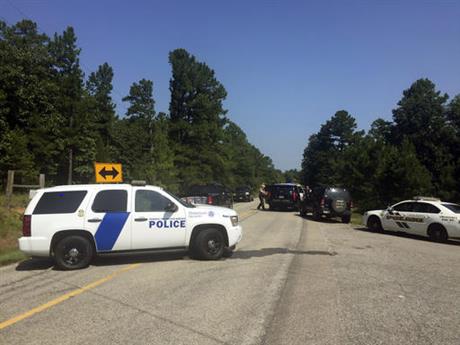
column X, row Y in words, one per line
column 390, row 209
column 171, row 207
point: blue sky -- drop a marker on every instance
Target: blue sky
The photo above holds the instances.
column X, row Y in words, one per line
column 288, row 66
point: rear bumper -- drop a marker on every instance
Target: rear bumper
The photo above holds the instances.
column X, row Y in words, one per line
column 283, row 203
column 332, row 213
column 235, row 234
column 34, row 246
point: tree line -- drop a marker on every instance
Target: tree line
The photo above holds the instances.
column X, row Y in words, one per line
column 57, row 121
column 417, row 153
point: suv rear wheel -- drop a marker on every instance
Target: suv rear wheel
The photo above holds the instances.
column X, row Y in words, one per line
column 209, row 244
column 73, row 252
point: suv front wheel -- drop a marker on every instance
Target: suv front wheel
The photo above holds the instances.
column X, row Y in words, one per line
column 209, row 244
column 73, row 252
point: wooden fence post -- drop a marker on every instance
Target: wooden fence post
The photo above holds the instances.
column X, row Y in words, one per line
column 9, row 183
column 9, row 187
column 41, row 180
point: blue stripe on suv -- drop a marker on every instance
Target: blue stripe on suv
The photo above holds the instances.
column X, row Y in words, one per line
column 110, row 228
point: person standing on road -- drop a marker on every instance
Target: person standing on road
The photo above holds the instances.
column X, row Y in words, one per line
column 262, row 194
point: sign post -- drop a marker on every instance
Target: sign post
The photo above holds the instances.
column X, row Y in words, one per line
column 108, row 172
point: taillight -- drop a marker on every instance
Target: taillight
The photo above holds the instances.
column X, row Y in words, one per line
column 350, row 204
column 322, row 202
column 26, row 226
column 210, row 201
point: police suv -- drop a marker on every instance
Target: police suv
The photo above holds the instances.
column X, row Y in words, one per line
column 424, row 216
column 74, row 223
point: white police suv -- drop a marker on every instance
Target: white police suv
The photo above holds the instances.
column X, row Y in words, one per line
column 74, row 223
column 422, row 216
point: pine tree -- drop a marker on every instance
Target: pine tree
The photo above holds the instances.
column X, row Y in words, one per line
column 420, row 118
column 99, row 86
column 197, row 119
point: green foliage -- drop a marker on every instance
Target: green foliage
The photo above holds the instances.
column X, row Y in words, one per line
column 53, row 121
column 420, row 118
column 99, row 86
column 10, row 228
column 416, row 154
column 322, row 159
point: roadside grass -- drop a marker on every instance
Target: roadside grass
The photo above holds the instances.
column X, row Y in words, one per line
column 11, row 227
column 356, row 218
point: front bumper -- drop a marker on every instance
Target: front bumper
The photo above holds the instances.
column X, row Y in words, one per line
column 235, row 234
column 34, row 246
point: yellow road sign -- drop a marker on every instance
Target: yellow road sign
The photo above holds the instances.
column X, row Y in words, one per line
column 108, row 172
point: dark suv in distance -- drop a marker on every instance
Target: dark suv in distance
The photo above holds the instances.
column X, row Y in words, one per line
column 211, row 194
column 243, row 193
column 284, row 196
column 327, row 201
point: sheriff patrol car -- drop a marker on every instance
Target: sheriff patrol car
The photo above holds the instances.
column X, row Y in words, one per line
column 74, row 223
column 424, row 216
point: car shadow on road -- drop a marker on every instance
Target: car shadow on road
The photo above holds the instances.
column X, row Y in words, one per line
column 321, row 220
column 257, row 253
column 42, row 264
column 110, row 260
column 35, row 264
column 275, row 210
column 405, row 235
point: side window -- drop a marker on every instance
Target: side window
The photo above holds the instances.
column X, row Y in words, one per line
column 404, row 207
column 59, row 202
column 113, row 200
column 423, row 207
column 150, row 201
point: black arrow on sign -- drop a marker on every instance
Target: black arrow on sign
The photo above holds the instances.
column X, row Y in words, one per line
column 104, row 173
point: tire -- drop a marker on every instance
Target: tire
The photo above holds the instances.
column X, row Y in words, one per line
column 303, row 212
column 73, row 252
column 346, row 219
column 374, row 224
column 209, row 244
column 437, row 233
column 316, row 215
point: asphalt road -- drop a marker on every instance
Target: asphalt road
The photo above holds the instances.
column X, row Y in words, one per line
column 291, row 281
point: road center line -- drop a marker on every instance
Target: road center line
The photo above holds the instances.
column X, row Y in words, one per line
column 64, row 297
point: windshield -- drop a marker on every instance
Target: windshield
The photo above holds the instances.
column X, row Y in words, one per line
column 183, row 202
column 453, row 207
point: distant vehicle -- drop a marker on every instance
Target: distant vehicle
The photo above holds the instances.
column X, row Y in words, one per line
column 424, row 216
column 243, row 193
column 284, row 196
column 210, row 194
column 74, row 223
column 329, row 202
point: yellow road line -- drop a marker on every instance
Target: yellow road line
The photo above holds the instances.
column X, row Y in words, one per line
column 63, row 298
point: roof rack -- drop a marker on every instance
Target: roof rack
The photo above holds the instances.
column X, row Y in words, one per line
column 426, row 198
column 138, row 183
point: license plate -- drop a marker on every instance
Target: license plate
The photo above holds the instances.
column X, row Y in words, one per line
column 281, row 197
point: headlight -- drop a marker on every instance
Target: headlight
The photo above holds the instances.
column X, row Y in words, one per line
column 234, row 220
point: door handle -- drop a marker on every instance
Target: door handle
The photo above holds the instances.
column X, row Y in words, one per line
column 140, row 219
column 94, row 220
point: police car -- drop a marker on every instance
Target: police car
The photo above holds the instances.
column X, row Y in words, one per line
column 424, row 216
column 74, row 223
